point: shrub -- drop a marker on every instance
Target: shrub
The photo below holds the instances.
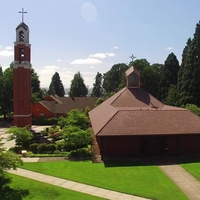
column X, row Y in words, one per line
column 80, row 153
column 195, row 109
column 76, row 138
column 60, row 145
column 42, row 148
column 16, row 149
column 51, row 148
column 99, row 101
column 56, row 152
column 34, row 147
column 44, row 121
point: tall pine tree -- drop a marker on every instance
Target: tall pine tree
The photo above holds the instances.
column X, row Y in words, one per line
column 78, row 88
column 97, row 86
column 169, row 74
column 189, row 76
column 56, row 86
column 183, row 80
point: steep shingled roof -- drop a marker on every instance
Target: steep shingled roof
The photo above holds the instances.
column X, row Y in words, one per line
column 133, row 111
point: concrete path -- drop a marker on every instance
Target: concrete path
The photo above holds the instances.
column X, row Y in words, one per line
column 7, row 144
column 185, row 181
column 79, row 187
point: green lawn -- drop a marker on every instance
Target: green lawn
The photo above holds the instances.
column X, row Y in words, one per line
column 145, row 181
column 42, row 191
column 193, row 168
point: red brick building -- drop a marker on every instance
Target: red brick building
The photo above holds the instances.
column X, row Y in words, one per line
column 55, row 106
column 134, row 123
column 22, row 77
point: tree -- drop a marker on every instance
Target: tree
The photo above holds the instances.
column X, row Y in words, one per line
column 22, row 136
column 97, row 86
column 6, row 102
column 36, row 92
column 114, row 79
column 9, row 160
column 99, row 101
column 77, row 118
column 140, row 64
column 56, row 86
column 1, row 92
column 188, row 78
column 169, row 74
column 150, row 79
column 76, row 138
column 195, row 109
column 78, row 88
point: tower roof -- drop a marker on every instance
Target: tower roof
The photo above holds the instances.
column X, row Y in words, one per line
column 23, row 25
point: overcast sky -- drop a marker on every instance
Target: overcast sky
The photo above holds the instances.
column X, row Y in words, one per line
column 68, row 36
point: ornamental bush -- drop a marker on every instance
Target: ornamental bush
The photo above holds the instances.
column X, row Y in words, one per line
column 51, row 148
column 34, row 147
column 42, row 148
column 80, row 153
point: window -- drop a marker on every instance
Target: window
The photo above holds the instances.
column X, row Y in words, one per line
column 21, row 55
column 133, row 80
column 21, row 36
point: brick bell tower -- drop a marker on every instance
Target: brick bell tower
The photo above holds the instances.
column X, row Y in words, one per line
column 22, row 76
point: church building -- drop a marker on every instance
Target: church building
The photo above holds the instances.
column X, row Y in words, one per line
column 133, row 123
column 22, row 76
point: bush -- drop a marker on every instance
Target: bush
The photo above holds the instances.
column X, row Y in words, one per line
column 76, row 138
column 195, row 109
column 34, row 147
column 80, row 153
column 56, row 152
column 16, row 149
column 60, row 145
column 51, row 148
column 42, row 148
column 44, row 121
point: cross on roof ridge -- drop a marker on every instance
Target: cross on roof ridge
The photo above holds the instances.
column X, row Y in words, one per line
column 22, row 12
column 132, row 57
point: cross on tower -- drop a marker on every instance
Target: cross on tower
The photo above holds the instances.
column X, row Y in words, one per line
column 22, row 12
column 132, row 57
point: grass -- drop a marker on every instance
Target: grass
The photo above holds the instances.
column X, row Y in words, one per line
column 145, row 181
column 43, row 191
column 193, row 168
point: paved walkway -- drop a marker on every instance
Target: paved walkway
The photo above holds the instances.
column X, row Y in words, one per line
column 79, row 187
column 185, row 181
column 7, row 144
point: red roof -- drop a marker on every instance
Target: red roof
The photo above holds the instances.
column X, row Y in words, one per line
column 132, row 111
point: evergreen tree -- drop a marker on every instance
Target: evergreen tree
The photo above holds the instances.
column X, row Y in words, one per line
column 182, row 83
column 6, row 103
column 56, row 86
column 1, row 84
column 114, row 79
column 36, row 92
column 97, row 86
column 169, row 74
column 78, row 88
column 189, row 81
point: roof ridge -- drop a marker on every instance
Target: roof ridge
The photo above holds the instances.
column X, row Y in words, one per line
column 117, row 96
column 107, row 121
